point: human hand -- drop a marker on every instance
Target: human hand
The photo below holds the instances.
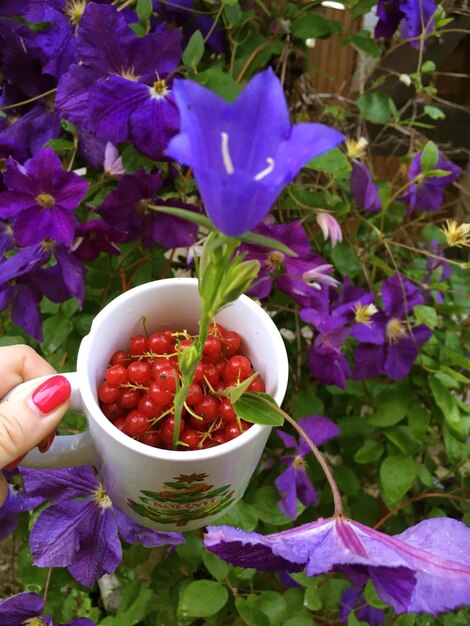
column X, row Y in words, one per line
column 29, row 418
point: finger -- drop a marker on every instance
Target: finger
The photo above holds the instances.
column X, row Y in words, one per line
column 3, row 489
column 30, row 416
column 18, row 364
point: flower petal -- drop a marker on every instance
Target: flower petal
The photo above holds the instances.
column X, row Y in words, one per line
column 132, row 532
column 55, row 485
column 20, row 607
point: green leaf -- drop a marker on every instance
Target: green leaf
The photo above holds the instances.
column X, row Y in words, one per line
column 273, row 605
column 425, row 315
column 268, row 242
column 391, row 406
column 397, row 474
column 235, row 393
column 258, row 408
column 375, row 107
column 220, row 82
column 332, row 162
column 364, row 41
column 194, row 51
column 370, row 594
column 345, row 259
column 314, row 25
column 144, row 10
column 447, row 403
column 429, row 157
column 434, row 112
column 299, row 620
column 56, row 330
column 250, row 615
column 418, row 419
column 202, row 598
column 353, row 621
column 371, row 451
column 60, row 145
column 312, row 600
column 403, row 439
column 428, row 67
column 215, row 566
column 363, row 6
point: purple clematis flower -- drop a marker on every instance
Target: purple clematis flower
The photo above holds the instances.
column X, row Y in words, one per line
column 294, row 482
column 416, row 17
column 325, row 359
column 329, row 227
column 353, row 599
column 427, row 193
column 398, row 347
column 80, row 530
column 95, row 237
column 239, row 186
column 118, row 88
column 17, row 501
column 363, row 189
column 27, row 608
column 409, row 570
column 127, row 209
column 43, row 194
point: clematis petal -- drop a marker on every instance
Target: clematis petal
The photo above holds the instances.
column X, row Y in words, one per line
column 55, row 537
column 55, row 485
column 73, row 272
column 320, row 430
column 132, row 532
column 286, row 485
column 19, row 608
column 100, row 549
column 25, row 310
column 368, row 361
column 153, row 124
column 12, row 203
column 399, row 296
column 306, row 492
column 363, row 190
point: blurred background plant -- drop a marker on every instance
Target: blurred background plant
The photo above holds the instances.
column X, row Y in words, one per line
column 373, row 309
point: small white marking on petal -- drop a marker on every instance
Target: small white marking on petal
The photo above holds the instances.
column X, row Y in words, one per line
column 226, row 154
column 267, row 170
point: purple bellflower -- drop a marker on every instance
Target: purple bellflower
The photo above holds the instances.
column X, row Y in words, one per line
column 245, row 152
column 294, row 482
column 27, row 607
column 396, row 350
column 363, row 189
column 80, row 530
column 118, row 88
column 415, row 16
column 127, row 209
column 409, row 570
column 427, row 193
column 41, row 197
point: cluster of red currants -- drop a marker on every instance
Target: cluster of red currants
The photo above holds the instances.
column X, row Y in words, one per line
column 138, row 391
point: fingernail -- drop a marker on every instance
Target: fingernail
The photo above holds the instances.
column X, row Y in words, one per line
column 51, row 394
column 11, row 466
column 46, row 443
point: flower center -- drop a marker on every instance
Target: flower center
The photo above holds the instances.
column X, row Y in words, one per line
column 299, row 463
column 274, row 260
column 228, row 163
column 45, row 200
column 143, row 206
column 456, row 234
column 364, row 312
column 102, row 498
column 74, row 10
column 34, row 621
column 395, row 330
column 160, row 88
column 129, row 74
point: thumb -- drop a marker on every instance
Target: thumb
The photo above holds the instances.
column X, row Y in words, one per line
column 30, row 415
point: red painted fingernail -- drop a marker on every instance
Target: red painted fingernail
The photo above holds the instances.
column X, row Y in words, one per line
column 46, row 443
column 11, row 466
column 51, row 394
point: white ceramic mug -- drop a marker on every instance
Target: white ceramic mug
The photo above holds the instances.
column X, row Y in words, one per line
column 165, row 489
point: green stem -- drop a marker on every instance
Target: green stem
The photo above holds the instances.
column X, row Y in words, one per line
column 20, row 104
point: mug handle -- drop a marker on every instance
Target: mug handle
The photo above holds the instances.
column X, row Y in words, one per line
column 68, row 450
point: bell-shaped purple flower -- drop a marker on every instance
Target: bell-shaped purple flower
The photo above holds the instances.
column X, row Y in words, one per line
column 363, row 189
column 294, row 482
column 427, row 192
column 245, row 152
column 41, row 197
column 27, row 608
column 80, row 530
column 409, row 570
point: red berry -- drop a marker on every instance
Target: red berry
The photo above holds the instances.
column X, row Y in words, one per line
column 257, row 385
column 237, row 367
column 108, row 393
column 116, row 375
column 211, row 373
column 120, row 358
column 151, row 438
column 136, row 424
column 199, row 373
column 194, row 394
column 212, row 349
column 232, row 430
column 139, row 372
column 231, row 343
column 207, row 408
column 191, row 438
column 129, row 398
column 226, row 411
column 159, row 396
column 119, row 423
column 197, row 424
column 219, row 439
column 185, row 344
column 113, row 411
column 148, row 408
column 168, row 428
column 159, row 343
column 167, row 379
column 138, row 344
